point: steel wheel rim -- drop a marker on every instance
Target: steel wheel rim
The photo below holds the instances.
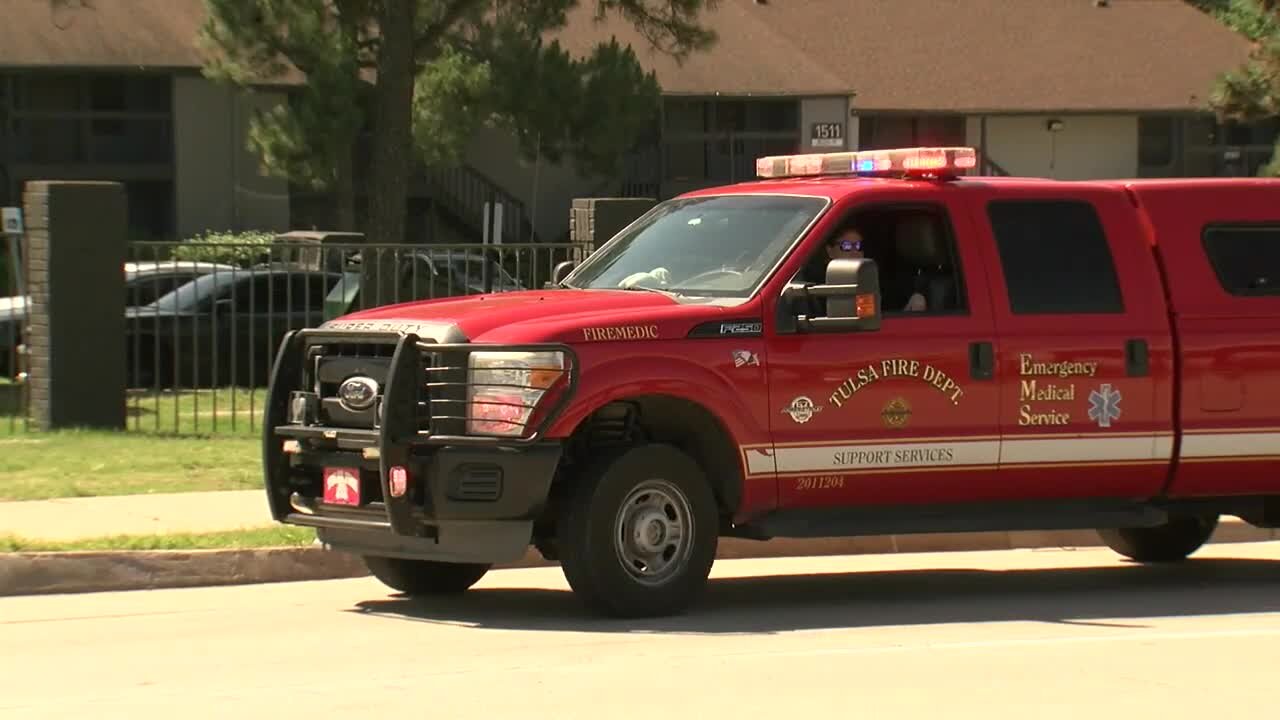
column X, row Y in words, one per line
column 653, row 532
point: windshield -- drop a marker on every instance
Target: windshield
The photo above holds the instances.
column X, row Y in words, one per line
column 471, row 269
column 705, row 246
column 188, row 296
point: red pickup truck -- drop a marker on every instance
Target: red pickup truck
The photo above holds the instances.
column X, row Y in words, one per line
column 854, row 344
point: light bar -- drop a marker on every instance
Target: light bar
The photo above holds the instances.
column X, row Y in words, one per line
column 917, row 162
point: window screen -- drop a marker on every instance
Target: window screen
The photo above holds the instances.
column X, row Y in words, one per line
column 1246, row 259
column 1055, row 257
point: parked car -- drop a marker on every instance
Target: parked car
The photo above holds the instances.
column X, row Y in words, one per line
column 144, row 282
column 425, row 275
column 222, row 328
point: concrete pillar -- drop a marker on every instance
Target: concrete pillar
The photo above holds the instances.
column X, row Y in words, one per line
column 76, row 252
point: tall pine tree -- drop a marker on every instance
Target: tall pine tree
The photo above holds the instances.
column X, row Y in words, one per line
column 431, row 72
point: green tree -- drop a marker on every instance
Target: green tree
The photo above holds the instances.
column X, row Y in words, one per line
column 311, row 139
column 430, row 73
column 1251, row 92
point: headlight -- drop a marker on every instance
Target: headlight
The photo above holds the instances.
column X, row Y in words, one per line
column 504, row 388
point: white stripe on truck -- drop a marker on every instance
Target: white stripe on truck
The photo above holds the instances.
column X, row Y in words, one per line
column 973, row 453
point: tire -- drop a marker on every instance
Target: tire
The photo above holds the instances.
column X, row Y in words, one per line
column 425, row 577
column 632, row 505
column 1172, row 542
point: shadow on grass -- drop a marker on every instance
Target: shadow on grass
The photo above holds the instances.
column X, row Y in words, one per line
column 780, row 603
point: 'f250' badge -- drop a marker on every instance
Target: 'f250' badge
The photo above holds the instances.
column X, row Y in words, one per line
column 802, row 409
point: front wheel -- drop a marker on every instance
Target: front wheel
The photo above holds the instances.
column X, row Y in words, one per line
column 1171, row 542
column 638, row 534
column 425, row 577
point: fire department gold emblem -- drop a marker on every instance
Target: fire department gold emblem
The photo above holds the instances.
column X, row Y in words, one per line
column 896, row 412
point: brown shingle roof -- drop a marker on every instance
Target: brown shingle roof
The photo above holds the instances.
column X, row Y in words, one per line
column 917, row 55
column 1016, row 55
column 956, row 55
column 749, row 57
column 101, row 33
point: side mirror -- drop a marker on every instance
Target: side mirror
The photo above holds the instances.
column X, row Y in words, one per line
column 852, row 295
column 561, row 271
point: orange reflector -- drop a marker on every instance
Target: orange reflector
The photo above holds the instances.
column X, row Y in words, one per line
column 865, row 305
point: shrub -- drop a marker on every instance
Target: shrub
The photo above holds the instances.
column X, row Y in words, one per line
column 242, row 249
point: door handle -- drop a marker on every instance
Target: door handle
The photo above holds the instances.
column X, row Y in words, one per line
column 982, row 361
column 1137, row 362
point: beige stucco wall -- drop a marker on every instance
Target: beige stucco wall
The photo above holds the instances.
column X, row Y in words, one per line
column 495, row 154
column 216, row 180
column 1087, row 147
column 825, row 110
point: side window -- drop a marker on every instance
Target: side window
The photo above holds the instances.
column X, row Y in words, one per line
column 252, row 294
column 147, row 289
column 1055, row 257
column 1246, row 259
column 915, row 252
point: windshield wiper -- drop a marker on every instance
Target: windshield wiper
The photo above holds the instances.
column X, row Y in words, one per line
column 660, row 291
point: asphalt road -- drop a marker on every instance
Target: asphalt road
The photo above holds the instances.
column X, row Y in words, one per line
column 1043, row 634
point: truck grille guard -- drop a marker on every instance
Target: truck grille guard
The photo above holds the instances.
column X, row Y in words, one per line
column 411, row 395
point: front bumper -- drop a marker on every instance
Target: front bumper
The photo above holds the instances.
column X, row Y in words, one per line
column 467, row 498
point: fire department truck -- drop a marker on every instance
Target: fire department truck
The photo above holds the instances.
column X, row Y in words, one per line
column 854, row 343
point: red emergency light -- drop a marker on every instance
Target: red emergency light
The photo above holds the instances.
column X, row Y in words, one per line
column 909, row 162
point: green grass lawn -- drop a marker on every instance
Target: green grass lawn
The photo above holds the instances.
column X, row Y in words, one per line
column 39, row 466
column 282, row 536
column 174, row 442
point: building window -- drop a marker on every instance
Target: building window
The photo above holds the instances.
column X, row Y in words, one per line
column 1155, row 141
column 708, row 141
column 87, row 119
column 885, row 132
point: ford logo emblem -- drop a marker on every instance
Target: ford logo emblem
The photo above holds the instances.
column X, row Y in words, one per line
column 357, row 393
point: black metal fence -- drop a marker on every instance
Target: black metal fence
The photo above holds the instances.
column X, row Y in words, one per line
column 203, row 320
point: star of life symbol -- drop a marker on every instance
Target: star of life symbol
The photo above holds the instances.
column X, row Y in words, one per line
column 1104, row 405
column 745, row 357
column 802, row 409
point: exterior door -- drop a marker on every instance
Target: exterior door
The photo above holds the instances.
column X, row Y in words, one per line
column 896, row 415
column 1085, row 360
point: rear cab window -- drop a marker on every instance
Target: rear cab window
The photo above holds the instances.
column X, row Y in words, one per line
column 1055, row 256
column 1245, row 258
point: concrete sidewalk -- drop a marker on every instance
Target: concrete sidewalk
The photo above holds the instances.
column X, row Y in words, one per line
column 89, row 517
column 24, row 573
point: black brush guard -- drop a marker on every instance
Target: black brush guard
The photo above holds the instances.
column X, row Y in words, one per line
column 398, row 439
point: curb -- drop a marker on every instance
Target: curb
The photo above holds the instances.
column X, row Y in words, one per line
column 43, row 573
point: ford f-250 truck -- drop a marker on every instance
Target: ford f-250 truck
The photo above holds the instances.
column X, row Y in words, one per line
column 853, row 344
